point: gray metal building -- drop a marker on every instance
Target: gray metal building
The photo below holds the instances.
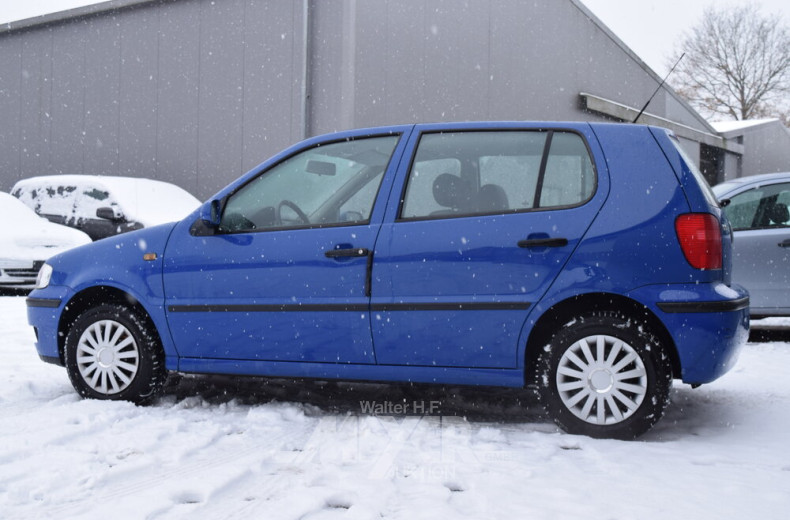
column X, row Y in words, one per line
column 197, row 92
column 767, row 142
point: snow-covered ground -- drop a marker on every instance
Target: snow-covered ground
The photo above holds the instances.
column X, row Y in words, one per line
column 247, row 448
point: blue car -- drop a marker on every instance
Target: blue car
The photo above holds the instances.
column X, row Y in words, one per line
column 591, row 261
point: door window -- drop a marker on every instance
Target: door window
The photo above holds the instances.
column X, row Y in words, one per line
column 760, row 208
column 329, row 184
column 473, row 173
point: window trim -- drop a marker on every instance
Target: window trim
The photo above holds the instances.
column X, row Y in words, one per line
column 538, row 187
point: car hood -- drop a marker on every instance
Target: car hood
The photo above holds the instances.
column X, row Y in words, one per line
column 39, row 240
column 114, row 261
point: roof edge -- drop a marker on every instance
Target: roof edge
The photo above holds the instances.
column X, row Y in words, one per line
column 623, row 112
column 68, row 14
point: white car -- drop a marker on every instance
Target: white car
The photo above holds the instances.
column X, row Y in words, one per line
column 103, row 206
column 28, row 240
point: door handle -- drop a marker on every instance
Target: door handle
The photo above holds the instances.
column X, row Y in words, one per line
column 785, row 243
column 356, row 252
column 543, row 242
column 351, row 252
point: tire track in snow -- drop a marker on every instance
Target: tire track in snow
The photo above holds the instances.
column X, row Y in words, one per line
column 117, row 491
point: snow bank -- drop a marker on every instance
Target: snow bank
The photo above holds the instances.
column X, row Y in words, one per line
column 247, row 448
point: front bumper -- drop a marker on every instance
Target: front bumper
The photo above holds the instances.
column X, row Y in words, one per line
column 44, row 308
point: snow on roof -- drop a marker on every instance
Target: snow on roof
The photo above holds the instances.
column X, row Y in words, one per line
column 147, row 201
column 733, row 126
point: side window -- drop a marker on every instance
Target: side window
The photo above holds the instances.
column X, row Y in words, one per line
column 420, row 200
column 476, row 173
column 569, row 172
column 759, row 208
column 329, row 184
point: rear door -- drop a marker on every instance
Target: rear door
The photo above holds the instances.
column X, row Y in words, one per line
column 486, row 221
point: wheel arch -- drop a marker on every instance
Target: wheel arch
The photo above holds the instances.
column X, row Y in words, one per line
column 97, row 295
column 566, row 310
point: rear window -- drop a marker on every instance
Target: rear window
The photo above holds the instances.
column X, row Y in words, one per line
column 703, row 184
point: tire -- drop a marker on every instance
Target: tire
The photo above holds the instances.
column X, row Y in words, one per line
column 112, row 353
column 605, row 376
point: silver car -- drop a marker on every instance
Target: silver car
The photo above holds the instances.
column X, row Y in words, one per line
column 757, row 207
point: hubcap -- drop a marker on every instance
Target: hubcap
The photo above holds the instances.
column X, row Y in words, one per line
column 107, row 357
column 601, row 380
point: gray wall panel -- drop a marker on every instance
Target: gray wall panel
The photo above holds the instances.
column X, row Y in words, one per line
column 328, row 65
column 10, row 110
column 272, row 37
column 402, row 66
column 36, row 100
column 137, row 133
column 102, row 96
column 68, row 99
column 768, row 146
column 221, row 93
column 178, row 86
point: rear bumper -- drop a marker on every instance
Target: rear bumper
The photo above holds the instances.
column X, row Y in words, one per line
column 709, row 324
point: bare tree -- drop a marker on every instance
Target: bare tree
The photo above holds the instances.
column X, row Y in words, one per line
column 737, row 64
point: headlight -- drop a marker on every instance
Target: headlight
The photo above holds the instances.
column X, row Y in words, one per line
column 44, row 276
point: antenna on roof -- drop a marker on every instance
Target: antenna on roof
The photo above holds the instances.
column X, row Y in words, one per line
column 657, row 89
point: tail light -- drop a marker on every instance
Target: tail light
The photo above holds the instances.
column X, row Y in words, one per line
column 699, row 235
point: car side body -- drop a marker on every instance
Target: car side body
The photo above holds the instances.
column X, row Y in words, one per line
column 464, row 287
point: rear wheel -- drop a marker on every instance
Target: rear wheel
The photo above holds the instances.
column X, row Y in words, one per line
column 112, row 353
column 603, row 375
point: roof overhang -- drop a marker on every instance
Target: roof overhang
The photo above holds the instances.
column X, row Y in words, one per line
column 622, row 112
column 68, row 14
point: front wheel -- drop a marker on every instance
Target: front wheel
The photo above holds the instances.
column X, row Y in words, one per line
column 605, row 376
column 112, row 353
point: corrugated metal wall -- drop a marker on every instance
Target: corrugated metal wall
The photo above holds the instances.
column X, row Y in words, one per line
column 197, row 92
column 193, row 92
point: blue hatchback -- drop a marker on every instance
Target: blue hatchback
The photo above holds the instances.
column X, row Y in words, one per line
column 590, row 260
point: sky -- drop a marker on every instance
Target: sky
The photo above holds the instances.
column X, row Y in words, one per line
column 651, row 28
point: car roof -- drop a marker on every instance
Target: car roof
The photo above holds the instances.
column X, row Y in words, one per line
column 750, row 179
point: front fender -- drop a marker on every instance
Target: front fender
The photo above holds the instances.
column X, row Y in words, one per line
column 130, row 263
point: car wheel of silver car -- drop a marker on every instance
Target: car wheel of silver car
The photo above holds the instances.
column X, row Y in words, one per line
column 604, row 375
column 111, row 353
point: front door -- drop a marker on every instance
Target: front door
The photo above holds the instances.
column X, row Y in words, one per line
column 284, row 277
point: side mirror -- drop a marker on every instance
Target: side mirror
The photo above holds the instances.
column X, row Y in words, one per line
column 112, row 213
column 211, row 213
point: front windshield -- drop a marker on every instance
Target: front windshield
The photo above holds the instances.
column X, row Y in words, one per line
column 328, row 184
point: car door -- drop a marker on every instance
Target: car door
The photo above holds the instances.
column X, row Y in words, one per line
column 284, row 276
column 487, row 220
column 761, row 249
